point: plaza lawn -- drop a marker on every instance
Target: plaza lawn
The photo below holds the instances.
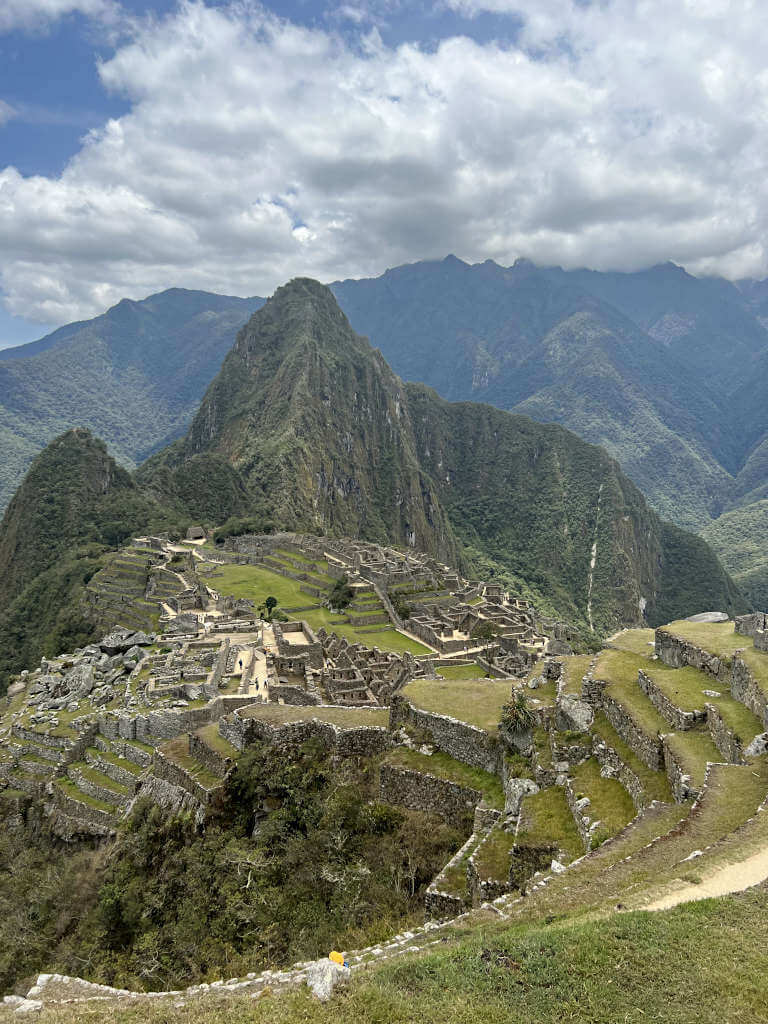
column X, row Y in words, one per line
column 256, row 583
column 280, row 714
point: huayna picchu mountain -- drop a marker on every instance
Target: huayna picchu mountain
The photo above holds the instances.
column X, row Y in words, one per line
column 309, row 420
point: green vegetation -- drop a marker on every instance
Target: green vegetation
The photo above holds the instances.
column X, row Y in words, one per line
column 446, row 767
column 574, row 670
column 620, row 670
column 478, row 703
column 493, row 855
column 655, row 783
column 282, row 713
column 609, row 801
column 738, row 537
column 685, row 686
column 470, row 671
column 166, row 906
column 546, row 818
column 692, row 750
column 719, row 638
column 636, row 641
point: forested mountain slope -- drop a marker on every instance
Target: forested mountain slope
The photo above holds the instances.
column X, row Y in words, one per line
column 134, row 376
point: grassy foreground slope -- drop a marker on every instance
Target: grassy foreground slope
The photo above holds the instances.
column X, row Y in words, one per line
column 701, row 962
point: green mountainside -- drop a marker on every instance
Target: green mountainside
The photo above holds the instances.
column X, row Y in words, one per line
column 134, row 376
column 74, row 505
column 740, row 538
column 582, row 349
column 319, row 429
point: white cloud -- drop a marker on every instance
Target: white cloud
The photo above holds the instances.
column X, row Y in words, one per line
column 39, row 14
column 614, row 135
column 7, row 112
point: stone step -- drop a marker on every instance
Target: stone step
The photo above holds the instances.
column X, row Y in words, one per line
column 117, row 768
column 98, row 786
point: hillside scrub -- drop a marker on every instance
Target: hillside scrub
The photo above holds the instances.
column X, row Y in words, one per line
column 298, row 862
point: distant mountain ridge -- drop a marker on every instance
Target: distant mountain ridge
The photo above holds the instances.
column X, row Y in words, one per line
column 134, row 376
column 666, row 371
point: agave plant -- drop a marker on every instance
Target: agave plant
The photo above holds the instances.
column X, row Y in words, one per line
column 516, row 715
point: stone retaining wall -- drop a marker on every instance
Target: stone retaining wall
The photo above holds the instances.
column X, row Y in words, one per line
column 81, row 811
column 93, row 789
column 729, row 745
column 464, row 742
column 679, row 720
column 682, row 785
column 608, row 758
column 678, row 653
column 216, row 763
column 745, row 688
column 748, row 625
column 359, row 741
column 168, row 771
column 648, row 748
column 114, row 771
column 420, row 791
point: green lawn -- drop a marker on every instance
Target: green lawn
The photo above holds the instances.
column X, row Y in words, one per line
column 493, row 856
column 655, row 784
column 473, row 671
column 692, row 750
column 279, row 714
column 636, row 641
column 546, row 817
column 610, row 802
column 685, row 686
column 619, row 669
column 574, row 670
column 212, row 737
column 477, row 703
column 256, row 583
column 718, row 638
column 446, row 767
column 177, row 751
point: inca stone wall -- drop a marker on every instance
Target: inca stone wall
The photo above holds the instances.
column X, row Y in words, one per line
column 609, row 759
column 419, row 791
column 648, row 748
column 464, row 742
column 679, row 720
column 729, row 745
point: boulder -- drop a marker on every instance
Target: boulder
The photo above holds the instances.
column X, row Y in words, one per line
column 758, row 746
column 117, row 642
column 708, row 617
column 573, row 714
column 323, row 977
column 79, row 680
column 514, row 791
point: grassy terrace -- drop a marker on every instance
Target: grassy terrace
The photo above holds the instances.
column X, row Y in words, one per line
column 493, row 855
column 68, row 787
column 719, row 638
column 445, row 767
column 279, row 714
column 610, row 802
column 619, row 669
column 692, row 750
column 212, row 738
column 478, row 703
column 684, row 686
column 635, row 641
column 574, row 669
column 546, row 818
column 655, row 784
column 178, row 751
column 473, row 671
column 119, row 762
column 256, row 583
column 100, row 779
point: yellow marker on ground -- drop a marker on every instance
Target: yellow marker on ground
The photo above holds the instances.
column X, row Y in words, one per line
column 338, row 958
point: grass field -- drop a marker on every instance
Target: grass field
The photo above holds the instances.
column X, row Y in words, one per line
column 610, row 802
column 256, row 583
column 619, row 669
column 701, row 962
column 685, row 686
column 473, row 671
column 636, row 641
column 477, row 703
column 718, row 638
column 546, row 817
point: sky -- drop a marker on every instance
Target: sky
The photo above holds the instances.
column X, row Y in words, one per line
column 231, row 145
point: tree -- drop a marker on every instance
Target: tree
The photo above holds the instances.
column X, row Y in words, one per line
column 267, row 606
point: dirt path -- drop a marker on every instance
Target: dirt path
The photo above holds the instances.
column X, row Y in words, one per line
column 727, row 879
